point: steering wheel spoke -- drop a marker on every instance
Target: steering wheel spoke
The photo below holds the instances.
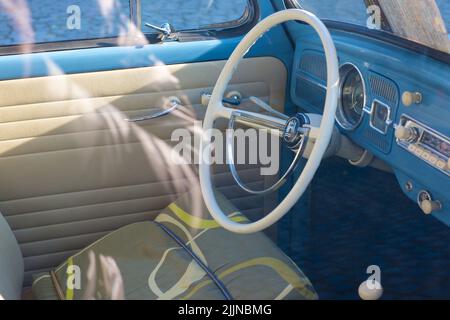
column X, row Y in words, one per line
column 259, row 121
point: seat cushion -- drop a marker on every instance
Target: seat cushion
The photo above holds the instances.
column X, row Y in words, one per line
column 183, row 254
column 11, row 263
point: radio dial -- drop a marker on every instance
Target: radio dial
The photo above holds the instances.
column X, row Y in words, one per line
column 406, row 133
column 425, row 143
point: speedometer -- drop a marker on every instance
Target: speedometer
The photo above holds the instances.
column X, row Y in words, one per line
column 353, row 97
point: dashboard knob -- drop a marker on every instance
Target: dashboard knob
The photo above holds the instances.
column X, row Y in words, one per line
column 406, row 133
column 408, row 98
column 429, row 206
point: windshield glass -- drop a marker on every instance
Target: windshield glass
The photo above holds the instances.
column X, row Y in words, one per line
column 426, row 22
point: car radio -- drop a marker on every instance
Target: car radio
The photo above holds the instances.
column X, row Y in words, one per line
column 424, row 142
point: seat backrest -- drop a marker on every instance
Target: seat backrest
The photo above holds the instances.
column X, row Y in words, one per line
column 11, row 263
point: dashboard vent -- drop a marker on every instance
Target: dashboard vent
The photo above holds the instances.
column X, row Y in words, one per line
column 315, row 64
column 384, row 88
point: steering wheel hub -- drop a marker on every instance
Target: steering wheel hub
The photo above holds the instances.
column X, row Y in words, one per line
column 295, row 131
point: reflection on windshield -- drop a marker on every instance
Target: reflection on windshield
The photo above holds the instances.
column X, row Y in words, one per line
column 426, row 22
column 444, row 6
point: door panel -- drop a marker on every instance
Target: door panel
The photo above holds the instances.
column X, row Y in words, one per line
column 74, row 170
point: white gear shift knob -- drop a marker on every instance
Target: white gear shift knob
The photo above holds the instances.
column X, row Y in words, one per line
column 370, row 290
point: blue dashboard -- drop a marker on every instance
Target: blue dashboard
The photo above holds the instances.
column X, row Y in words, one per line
column 387, row 72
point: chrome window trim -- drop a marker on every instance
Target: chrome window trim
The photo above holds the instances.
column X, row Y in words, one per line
column 136, row 13
column 248, row 15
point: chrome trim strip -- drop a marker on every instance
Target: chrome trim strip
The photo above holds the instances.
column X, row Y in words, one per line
column 174, row 104
column 135, row 13
column 339, row 111
column 404, row 144
column 388, row 121
column 233, row 170
column 254, row 121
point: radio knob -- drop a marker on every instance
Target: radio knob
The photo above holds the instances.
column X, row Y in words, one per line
column 406, row 133
column 429, row 206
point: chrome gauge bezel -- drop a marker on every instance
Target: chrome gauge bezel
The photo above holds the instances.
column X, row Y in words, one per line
column 341, row 118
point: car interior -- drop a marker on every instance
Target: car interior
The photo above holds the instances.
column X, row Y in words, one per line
column 96, row 203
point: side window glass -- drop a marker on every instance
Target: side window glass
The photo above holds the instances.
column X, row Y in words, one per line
column 41, row 21
column 28, row 22
column 194, row 14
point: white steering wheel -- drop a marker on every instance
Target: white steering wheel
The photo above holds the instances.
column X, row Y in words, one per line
column 322, row 133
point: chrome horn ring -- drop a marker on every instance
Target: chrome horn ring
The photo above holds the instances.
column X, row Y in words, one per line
column 295, row 136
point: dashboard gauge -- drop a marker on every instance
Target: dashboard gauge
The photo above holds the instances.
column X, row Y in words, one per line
column 352, row 97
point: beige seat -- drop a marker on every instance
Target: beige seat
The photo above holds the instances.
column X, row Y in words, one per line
column 183, row 254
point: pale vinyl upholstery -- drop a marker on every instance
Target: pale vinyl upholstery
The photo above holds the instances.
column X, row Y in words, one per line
column 73, row 170
column 11, row 263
